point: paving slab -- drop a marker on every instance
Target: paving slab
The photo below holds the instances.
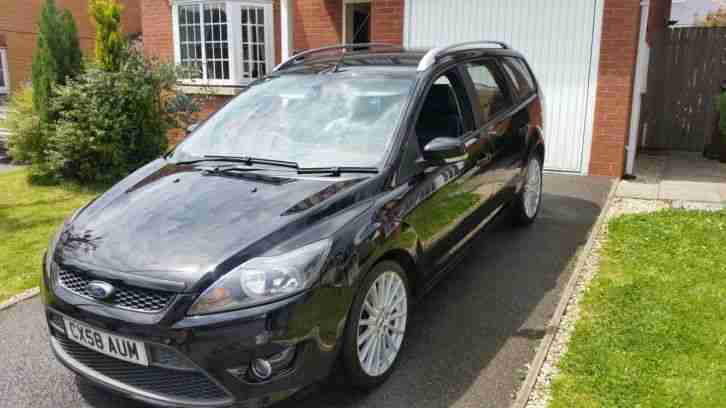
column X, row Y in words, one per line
column 643, row 191
column 704, row 192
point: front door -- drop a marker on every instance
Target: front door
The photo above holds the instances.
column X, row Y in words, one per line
column 357, row 21
column 447, row 202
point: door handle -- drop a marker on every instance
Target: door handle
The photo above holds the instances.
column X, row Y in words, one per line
column 486, row 159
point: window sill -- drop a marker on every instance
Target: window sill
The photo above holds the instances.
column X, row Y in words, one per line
column 221, row 90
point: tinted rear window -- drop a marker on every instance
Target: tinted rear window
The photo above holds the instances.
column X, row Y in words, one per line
column 521, row 76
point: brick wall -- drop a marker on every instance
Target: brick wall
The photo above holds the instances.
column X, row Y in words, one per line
column 317, row 23
column 156, row 25
column 320, row 22
column 18, row 24
column 387, row 21
column 621, row 27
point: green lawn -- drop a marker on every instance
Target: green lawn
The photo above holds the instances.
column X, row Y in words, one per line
column 653, row 328
column 29, row 215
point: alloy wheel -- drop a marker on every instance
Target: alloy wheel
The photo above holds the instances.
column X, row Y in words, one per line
column 533, row 188
column 382, row 324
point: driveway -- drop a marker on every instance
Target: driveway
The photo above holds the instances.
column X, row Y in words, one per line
column 469, row 343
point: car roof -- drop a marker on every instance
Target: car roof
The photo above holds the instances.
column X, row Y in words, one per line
column 385, row 57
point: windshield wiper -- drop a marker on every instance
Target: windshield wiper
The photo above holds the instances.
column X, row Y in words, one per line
column 337, row 171
column 248, row 160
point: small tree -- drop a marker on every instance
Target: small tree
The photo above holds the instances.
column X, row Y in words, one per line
column 57, row 58
column 715, row 18
column 110, row 44
column 111, row 122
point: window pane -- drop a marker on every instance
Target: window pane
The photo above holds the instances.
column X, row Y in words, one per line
column 253, row 41
column 489, row 92
column 520, row 75
column 189, row 38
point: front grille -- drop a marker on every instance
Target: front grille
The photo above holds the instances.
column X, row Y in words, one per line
column 173, row 384
column 125, row 296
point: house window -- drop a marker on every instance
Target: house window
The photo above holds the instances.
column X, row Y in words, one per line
column 224, row 42
column 4, row 85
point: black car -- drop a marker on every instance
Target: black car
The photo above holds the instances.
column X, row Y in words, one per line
column 296, row 226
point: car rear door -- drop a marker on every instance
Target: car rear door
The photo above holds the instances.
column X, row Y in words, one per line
column 495, row 107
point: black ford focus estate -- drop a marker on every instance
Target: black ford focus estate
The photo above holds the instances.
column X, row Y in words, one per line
column 295, row 227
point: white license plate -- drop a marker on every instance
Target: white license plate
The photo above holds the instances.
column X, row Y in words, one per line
column 108, row 344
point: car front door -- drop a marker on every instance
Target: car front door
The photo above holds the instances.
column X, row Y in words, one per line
column 445, row 203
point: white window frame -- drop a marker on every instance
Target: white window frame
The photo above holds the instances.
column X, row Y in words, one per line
column 4, row 56
column 234, row 38
column 344, row 12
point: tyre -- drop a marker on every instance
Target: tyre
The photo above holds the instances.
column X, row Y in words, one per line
column 376, row 326
column 528, row 201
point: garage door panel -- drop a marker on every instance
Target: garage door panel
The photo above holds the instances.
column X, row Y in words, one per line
column 556, row 37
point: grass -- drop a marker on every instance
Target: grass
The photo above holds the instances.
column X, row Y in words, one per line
column 653, row 328
column 29, row 215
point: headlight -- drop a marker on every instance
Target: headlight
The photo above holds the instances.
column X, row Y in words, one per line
column 264, row 279
column 48, row 259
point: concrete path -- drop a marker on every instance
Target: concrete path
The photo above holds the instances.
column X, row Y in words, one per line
column 470, row 339
column 676, row 176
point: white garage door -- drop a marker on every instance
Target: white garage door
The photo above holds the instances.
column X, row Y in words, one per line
column 560, row 39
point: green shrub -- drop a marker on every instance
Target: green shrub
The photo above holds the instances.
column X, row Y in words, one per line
column 26, row 141
column 721, row 108
column 57, row 58
column 106, row 16
column 111, row 123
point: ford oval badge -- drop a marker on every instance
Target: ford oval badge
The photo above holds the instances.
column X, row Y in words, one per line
column 100, row 290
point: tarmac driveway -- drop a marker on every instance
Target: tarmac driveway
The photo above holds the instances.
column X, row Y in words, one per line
column 469, row 343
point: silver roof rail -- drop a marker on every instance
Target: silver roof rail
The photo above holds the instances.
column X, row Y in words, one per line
column 344, row 47
column 437, row 53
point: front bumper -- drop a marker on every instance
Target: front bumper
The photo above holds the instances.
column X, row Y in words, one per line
column 215, row 351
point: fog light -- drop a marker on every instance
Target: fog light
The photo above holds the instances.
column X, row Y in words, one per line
column 56, row 321
column 261, row 369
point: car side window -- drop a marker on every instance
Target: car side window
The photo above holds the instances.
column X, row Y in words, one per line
column 446, row 112
column 520, row 75
column 489, row 88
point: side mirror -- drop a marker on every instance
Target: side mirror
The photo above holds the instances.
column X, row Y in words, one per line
column 192, row 127
column 444, row 150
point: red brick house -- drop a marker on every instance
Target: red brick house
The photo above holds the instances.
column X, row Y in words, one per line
column 590, row 55
column 19, row 33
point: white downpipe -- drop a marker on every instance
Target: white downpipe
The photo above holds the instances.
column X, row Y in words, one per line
column 286, row 29
column 639, row 87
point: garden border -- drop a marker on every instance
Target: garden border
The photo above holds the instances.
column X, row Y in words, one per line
column 525, row 391
column 20, row 297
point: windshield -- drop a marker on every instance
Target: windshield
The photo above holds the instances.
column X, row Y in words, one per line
column 334, row 119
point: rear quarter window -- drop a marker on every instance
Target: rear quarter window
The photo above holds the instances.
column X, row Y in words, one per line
column 521, row 76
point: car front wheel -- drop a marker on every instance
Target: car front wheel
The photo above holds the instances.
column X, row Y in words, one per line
column 376, row 326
